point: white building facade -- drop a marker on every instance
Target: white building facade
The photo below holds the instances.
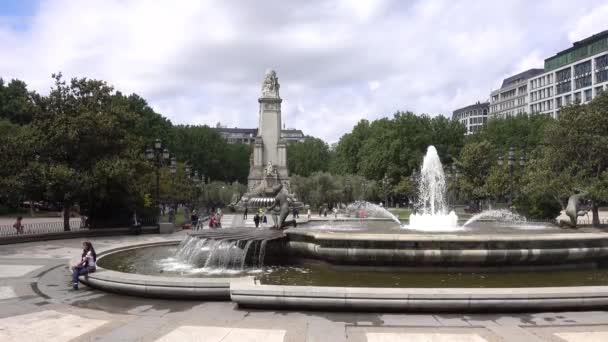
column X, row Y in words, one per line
column 575, row 75
column 473, row 117
column 512, row 97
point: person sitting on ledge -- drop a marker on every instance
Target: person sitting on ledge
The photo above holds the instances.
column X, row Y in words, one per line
column 18, row 225
column 86, row 265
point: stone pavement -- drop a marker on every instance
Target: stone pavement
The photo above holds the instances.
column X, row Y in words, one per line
column 36, row 304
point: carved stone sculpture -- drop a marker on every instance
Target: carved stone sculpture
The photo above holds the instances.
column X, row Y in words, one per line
column 574, row 208
column 280, row 208
column 270, row 86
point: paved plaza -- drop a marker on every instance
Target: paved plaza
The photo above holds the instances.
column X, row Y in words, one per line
column 36, row 304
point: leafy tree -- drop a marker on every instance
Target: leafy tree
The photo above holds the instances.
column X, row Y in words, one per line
column 575, row 150
column 347, row 150
column 475, row 162
column 91, row 156
column 523, row 132
column 311, row 155
column 17, row 104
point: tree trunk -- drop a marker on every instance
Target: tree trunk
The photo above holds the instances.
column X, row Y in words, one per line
column 66, row 216
column 596, row 214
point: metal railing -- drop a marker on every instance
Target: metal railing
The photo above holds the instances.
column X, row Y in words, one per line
column 41, row 228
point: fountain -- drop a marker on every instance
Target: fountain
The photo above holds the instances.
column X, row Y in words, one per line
column 432, row 209
column 338, row 269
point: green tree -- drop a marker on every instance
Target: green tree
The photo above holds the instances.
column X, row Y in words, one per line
column 17, row 104
column 575, row 149
column 475, row 162
column 311, row 155
column 91, row 156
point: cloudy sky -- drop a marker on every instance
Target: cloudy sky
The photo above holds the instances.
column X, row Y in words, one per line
column 202, row 62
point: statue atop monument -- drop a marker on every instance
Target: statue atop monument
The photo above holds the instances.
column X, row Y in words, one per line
column 270, row 86
column 268, row 164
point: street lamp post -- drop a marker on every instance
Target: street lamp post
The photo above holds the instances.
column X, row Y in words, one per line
column 157, row 155
column 511, row 163
column 173, row 170
column 385, row 184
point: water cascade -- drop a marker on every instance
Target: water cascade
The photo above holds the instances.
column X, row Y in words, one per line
column 432, row 212
column 217, row 255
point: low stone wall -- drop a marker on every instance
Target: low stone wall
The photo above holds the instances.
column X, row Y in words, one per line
column 249, row 295
column 82, row 233
column 448, row 250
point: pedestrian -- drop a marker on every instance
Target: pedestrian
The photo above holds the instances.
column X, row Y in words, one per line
column 245, row 214
column 294, row 212
column 18, row 225
column 308, row 213
column 324, row 212
column 218, row 218
column 86, row 265
column 335, row 210
column 194, row 219
column 212, row 222
column 256, row 220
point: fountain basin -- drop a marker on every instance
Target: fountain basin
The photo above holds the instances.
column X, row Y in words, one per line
column 476, row 250
column 400, row 284
column 155, row 286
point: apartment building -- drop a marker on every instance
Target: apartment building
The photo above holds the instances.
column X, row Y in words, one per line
column 473, row 117
column 575, row 75
column 512, row 97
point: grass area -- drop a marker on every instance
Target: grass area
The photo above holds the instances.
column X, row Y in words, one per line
column 180, row 218
column 401, row 213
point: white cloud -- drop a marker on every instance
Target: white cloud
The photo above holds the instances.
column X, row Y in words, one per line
column 203, row 61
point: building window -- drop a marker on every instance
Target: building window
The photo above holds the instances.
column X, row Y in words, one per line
column 599, row 90
column 563, row 81
column 588, row 95
column 601, row 69
column 581, row 81
column 567, row 100
column 558, row 102
column 577, row 97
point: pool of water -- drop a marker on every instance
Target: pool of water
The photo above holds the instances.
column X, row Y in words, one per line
column 161, row 261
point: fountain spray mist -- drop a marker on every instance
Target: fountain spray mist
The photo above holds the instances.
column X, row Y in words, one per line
column 433, row 210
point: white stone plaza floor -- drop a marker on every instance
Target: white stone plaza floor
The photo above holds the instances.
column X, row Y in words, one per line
column 37, row 304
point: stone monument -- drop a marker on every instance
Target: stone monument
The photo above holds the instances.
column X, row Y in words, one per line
column 269, row 150
column 268, row 164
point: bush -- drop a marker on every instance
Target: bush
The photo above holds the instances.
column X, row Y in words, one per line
column 543, row 206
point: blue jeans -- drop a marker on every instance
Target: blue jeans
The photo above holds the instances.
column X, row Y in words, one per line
column 77, row 272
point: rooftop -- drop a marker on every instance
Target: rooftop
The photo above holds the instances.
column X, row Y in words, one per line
column 522, row 76
column 473, row 106
column 579, row 50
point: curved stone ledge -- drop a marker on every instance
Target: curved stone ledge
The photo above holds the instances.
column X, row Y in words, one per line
column 156, row 286
column 250, row 295
column 449, row 250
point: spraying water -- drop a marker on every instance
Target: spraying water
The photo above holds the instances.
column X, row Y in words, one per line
column 364, row 209
column 433, row 211
column 500, row 215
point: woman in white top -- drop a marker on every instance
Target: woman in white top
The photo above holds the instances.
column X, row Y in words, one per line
column 86, row 265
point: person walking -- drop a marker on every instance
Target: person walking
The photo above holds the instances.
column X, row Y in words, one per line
column 308, row 213
column 256, row 220
column 194, row 219
column 87, row 264
column 245, row 214
column 18, row 225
